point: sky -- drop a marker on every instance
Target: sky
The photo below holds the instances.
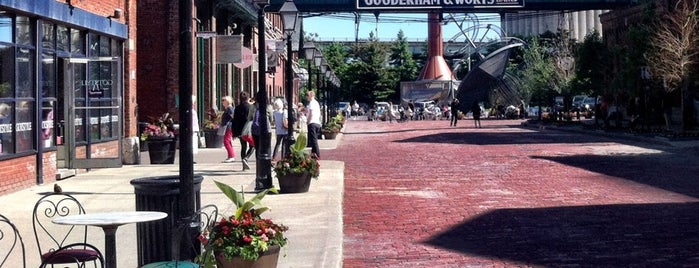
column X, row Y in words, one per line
column 340, row 26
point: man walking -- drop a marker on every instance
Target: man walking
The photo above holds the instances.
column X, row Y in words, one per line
column 454, row 112
column 313, row 117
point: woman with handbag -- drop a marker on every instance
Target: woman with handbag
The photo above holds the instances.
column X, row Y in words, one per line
column 241, row 125
column 225, row 128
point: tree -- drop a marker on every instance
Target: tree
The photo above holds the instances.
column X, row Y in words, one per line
column 590, row 66
column 370, row 80
column 402, row 64
column 675, row 44
column 540, row 75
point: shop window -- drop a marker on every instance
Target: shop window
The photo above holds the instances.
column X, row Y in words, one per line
column 24, row 34
column 48, row 75
column 7, row 145
column 5, row 28
column 25, row 73
column 80, row 124
column 77, row 42
column 48, row 35
column 23, row 127
column 62, row 38
column 7, row 71
column 48, row 135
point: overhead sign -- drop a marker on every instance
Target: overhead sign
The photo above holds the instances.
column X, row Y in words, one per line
column 206, row 34
column 247, row 59
column 229, row 49
column 438, row 4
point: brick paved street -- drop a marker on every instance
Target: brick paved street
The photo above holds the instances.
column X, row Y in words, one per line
column 423, row 194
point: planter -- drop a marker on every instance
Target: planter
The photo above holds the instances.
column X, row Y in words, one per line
column 162, row 150
column 330, row 135
column 268, row 259
column 294, row 183
column 213, row 140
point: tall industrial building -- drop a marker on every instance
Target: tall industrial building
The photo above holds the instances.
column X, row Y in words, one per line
column 527, row 23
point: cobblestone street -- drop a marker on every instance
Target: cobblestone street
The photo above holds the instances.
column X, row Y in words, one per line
column 423, row 194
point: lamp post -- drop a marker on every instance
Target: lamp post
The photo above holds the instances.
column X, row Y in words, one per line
column 263, row 171
column 289, row 15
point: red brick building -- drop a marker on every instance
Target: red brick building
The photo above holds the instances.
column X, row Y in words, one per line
column 67, row 96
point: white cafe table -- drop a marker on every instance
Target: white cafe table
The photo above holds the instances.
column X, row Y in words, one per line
column 109, row 222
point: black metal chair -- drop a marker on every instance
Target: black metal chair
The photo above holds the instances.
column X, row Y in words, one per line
column 185, row 239
column 10, row 242
column 62, row 244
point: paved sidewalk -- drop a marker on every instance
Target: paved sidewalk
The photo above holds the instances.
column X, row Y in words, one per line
column 314, row 218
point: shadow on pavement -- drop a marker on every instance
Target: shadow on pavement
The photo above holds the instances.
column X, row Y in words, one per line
column 499, row 138
column 627, row 235
column 666, row 171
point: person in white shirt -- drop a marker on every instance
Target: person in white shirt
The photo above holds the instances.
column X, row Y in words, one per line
column 313, row 117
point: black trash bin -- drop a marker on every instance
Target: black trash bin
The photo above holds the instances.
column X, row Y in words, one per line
column 154, row 239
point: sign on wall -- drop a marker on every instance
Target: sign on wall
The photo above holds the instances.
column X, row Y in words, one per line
column 437, row 4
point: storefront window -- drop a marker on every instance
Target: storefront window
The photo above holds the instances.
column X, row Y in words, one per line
column 7, row 71
column 77, row 42
column 48, row 35
column 7, row 145
column 24, row 31
column 48, row 75
column 23, row 126
column 63, row 39
column 80, row 122
column 47, row 131
column 25, row 73
column 5, row 29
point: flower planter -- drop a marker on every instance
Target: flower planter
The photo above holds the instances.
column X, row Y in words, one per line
column 213, row 140
column 162, row 150
column 268, row 259
column 330, row 135
column 294, row 183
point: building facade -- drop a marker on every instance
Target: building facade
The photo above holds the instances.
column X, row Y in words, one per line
column 527, row 23
column 66, row 94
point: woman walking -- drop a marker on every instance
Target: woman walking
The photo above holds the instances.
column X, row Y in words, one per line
column 226, row 120
column 281, row 126
column 242, row 115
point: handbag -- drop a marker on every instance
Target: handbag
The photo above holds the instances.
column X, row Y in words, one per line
column 246, row 133
column 222, row 129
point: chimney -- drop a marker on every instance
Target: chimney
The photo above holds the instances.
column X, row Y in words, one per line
column 436, row 68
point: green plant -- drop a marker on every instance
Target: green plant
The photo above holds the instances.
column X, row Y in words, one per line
column 162, row 127
column 334, row 124
column 245, row 234
column 298, row 160
column 213, row 119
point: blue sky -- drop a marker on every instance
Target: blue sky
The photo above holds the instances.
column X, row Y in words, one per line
column 341, row 27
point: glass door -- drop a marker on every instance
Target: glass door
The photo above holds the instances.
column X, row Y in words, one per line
column 92, row 112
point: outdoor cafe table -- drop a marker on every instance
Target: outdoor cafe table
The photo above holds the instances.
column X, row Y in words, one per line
column 109, row 222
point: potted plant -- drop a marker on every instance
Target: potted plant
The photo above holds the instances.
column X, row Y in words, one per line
column 160, row 137
column 210, row 129
column 244, row 239
column 333, row 127
column 295, row 170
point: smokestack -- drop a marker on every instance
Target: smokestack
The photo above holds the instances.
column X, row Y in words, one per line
column 436, row 68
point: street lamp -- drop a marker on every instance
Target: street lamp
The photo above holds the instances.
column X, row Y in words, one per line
column 263, row 172
column 289, row 15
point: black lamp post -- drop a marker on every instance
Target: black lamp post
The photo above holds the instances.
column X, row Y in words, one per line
column 289, row 15
column 263, row 171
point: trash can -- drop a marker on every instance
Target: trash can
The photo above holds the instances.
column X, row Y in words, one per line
column 154, row 239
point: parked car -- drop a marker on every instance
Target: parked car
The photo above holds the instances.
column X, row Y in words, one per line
column 588, row 107
column 577, row 102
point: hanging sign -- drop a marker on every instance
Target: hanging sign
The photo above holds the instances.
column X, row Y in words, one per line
column 247, row 59
column 438, row 4
column 229, row 49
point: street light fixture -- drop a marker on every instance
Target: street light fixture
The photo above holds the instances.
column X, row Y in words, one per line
column 289, row 15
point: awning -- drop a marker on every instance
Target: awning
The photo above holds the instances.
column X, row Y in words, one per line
column 244, row 10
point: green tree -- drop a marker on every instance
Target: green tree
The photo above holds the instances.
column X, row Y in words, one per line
column 403, row 66
column 591, row 58
column 369, row 78
column 540, row 75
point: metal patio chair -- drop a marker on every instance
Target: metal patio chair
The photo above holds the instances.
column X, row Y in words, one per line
column 185, row 239
column 62, row 244
column 10, row 242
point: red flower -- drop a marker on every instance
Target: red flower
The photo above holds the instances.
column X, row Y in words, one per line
column 247, row 239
